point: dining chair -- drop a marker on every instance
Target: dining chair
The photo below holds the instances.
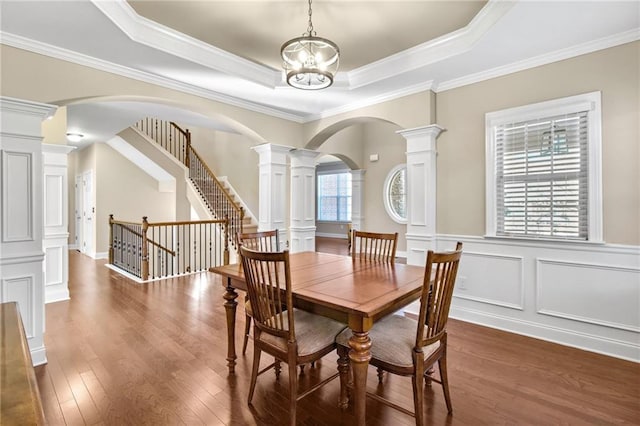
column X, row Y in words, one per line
column 259, row 241
column 407, row 347
column 290, row 335
column 374, row 246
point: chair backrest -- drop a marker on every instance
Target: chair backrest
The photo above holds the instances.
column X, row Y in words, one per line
column 439, row 279
column 374, row 246
column 268, row 281
column 260, row 241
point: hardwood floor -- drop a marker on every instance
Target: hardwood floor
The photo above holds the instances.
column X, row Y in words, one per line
column 122, row 353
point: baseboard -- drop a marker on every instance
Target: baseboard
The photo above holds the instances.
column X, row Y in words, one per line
column 73, row 247
column 56, row 296
column 328, row 235
column 584, row 341
column 39, row 356
column 101, row 255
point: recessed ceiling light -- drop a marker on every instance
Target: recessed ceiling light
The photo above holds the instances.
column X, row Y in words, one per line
column 75, row 137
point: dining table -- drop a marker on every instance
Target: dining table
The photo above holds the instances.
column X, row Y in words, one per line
column 355, row 291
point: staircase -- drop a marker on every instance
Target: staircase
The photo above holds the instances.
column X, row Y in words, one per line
column 219, row 200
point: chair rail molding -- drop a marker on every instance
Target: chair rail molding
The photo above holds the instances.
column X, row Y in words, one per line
column 21, row 221
column 579, row 295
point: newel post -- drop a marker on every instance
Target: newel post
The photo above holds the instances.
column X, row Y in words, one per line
column 145, row 250
column 111, row 239
column 187, row 149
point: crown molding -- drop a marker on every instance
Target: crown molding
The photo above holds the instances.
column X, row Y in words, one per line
column 101, row 65
column 548, row 58
column 165, row 39
column 441, row 48
column 373, row 100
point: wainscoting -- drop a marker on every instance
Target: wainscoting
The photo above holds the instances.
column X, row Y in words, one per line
column 581, row 295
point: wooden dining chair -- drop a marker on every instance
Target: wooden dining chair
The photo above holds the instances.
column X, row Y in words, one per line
column 407, row 347
column 259, row 241
column 290, row 335
column 374, row 246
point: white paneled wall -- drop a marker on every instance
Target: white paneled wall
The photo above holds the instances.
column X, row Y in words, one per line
column 56, row 219
column 21, row 222
column 577, row 294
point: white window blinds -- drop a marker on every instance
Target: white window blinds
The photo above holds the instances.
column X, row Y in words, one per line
column 542, row 177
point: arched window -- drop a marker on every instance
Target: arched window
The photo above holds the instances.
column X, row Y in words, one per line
column 395, row 193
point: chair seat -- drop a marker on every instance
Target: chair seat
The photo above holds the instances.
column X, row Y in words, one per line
column 313, row 333
column 393, row 339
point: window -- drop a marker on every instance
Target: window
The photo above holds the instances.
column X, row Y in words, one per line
column 395, row 194
column 334, row 197
column 543, row 170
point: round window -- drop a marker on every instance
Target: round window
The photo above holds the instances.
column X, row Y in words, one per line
column 395, row 194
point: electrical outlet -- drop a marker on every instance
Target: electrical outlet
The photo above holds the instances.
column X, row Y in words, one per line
column 461, row 283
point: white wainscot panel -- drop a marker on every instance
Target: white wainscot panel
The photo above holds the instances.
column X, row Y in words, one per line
column 491, row 278
column 606, row 295
column 53, row 206
column 20, row 289
column 16, row 192
column 54, row 266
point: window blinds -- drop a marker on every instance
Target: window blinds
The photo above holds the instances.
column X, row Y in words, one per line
column 542, row 177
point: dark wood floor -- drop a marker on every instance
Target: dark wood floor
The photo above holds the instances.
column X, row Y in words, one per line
column 122, row 353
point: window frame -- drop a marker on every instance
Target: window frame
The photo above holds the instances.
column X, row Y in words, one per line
column 386, row 194
column 590, row 102
column 317, row 195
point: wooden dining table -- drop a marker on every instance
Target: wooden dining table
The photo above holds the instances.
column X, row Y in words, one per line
column 353, row 291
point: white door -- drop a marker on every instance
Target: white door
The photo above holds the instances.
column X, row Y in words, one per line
column 78, row 213
column 87, row 213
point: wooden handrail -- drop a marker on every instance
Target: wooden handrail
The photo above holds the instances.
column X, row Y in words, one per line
column 163, row 249
column 137, row 234
column 177, row 141
column 233, row 203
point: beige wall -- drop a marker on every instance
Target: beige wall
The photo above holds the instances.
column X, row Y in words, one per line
column 121, row 189
column 34, row 77
column 461, row 149
column 461, row 192
column 347, row 143
column 230, row 155
column 380, row 138
column 54, row 129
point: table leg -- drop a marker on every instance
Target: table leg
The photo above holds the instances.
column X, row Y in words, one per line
column 360, row 355
column 230, row 306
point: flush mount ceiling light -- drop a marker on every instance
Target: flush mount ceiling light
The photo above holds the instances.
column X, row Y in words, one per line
column 75, row 137
column 310, row 62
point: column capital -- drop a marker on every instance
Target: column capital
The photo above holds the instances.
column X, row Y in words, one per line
column 431, row 130
column 357, row 173
column 303, row 158
column 272, row 153
column 57, row 149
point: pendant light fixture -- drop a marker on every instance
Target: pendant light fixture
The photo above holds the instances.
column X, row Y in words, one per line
column 310, row 62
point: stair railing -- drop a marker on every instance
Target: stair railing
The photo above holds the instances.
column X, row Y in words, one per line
column 166, row 249
column 177, row 141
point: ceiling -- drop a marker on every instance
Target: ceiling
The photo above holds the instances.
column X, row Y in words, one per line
column 228, row 51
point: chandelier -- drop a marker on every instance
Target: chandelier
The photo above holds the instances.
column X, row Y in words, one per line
column 310, row 61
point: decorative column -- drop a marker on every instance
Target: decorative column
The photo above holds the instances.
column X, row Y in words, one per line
column 21, row 221
column 421, row 191
column 357, row 199
column 303, row 200
column 56, row 222
column 272, row 193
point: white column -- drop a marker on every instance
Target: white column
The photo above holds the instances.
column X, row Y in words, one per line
column 56, row 222
column 272, row 193
column 303, row 200
column 21, row 222
column 357, row 199
column 421, row 191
